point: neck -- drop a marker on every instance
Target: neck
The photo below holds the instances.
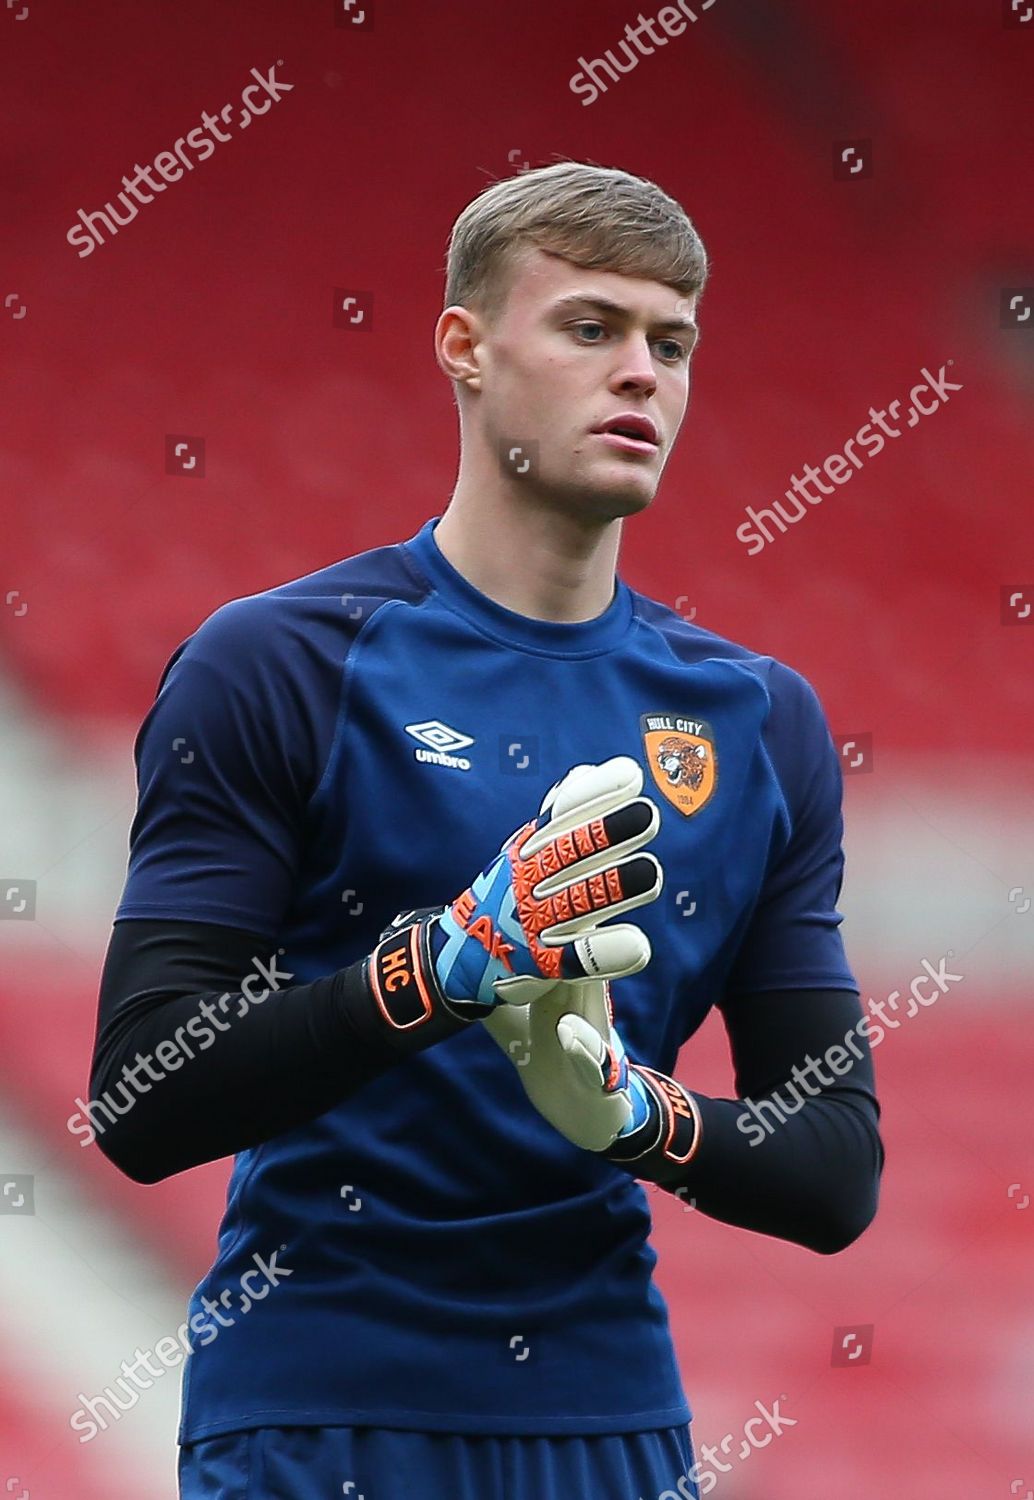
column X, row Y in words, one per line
column 539, row 561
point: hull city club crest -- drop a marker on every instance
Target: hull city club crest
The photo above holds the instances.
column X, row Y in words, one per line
column 681, row 755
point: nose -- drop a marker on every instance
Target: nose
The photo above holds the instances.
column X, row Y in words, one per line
column 634, row 370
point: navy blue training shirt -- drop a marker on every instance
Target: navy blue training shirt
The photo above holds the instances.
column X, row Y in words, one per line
column 359, row 742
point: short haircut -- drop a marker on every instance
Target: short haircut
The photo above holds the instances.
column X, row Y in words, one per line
column 600, row 218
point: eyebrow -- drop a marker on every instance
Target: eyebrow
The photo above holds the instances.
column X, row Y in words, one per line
column 676, row 324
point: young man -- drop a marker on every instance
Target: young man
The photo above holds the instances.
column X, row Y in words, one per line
column 445, row 1087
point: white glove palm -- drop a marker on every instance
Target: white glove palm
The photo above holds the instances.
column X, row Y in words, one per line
column 572, row 1062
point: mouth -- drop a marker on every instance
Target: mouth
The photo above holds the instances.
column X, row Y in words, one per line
column 630, row 432
column 626, row 443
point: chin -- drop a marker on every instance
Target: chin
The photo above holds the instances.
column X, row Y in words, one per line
column 627, row 498
column 615, row 501
column 606, row 496
column 633, row 505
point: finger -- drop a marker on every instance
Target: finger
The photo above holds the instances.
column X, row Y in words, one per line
column 551, row 796
column 582, row 905
column 546, row 850
column 606, row 953
column 589, row 791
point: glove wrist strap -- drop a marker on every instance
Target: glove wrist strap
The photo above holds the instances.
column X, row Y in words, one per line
column 670, row 1138
column 408, row 1000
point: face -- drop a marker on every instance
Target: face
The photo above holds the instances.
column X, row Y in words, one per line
column 572, row 352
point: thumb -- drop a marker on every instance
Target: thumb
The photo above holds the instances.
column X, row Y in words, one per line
column 584, row 1048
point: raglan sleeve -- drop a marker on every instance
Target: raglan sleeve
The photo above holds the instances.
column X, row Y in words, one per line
column 790, row 997
column 226, row 759
column 792, row 939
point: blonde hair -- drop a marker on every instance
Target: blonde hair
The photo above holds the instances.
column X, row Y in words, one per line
column 600, row 218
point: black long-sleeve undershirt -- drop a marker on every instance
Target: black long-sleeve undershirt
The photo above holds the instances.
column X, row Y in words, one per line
column 249, row 1068
column 304, row 1048
column 804, row 1163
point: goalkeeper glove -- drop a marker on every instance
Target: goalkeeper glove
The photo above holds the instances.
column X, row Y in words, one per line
column 535, row 911
column 572, row 1062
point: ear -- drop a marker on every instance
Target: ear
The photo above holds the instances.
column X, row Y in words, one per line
column 456, row 336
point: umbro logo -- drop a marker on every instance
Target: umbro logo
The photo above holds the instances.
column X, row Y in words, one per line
column 439, row 743
column 438, row 736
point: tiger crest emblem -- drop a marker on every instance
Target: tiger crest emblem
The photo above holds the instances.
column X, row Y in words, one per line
column 682, row 759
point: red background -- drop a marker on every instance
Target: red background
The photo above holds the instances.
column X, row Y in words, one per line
column 210, row 315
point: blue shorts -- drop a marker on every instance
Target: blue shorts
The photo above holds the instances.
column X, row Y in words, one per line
column 375, row 1463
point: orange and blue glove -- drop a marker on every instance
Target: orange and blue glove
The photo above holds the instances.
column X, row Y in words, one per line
column 572, row 1062
column 536, row 912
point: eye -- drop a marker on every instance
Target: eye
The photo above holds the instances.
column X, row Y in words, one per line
column 680, row 350
column 589, row 323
